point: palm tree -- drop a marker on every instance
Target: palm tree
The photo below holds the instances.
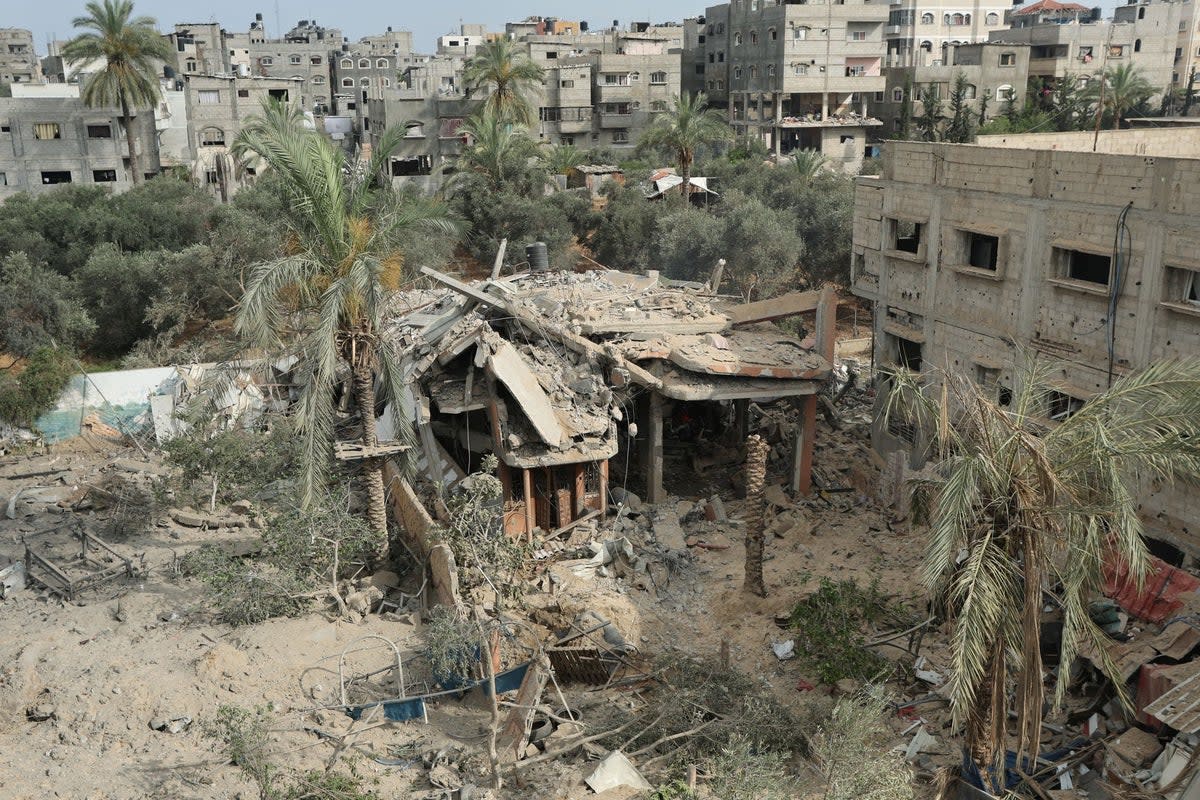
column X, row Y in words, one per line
column 1119, row 90
column 689, row 126
column 508, row 75
column 326, row 295
column 499, row 154
column 562, row 158
column 809, row 163
column 1037, row 509
column 130, row 48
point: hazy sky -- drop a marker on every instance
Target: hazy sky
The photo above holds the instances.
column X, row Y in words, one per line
column 356, row 18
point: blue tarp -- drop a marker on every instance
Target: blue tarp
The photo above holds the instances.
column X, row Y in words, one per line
column 971, row 774
column 414, row 707
column 396, row 710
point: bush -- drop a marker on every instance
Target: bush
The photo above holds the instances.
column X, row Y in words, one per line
column 829, row 626
column 38, row 308
column 233, row 464
column 36, row 389
column 852, row 754
column 245, row 591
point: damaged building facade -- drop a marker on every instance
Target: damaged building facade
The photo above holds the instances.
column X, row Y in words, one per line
column 976, row 256
column 574, row 382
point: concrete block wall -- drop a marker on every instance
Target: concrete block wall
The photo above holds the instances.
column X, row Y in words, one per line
column 1163, row 142
column 1034, row 200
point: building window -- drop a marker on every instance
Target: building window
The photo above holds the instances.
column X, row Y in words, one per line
column 800, row 33
column 658, row 105
column 1137, row 47
column 47, row 130
column 364, row 63
column 318, row 80
column 897, row 95
column 858, row 36
column 415, row 165
column 720, row 28
column 381, row 63
column 620, row 137
column 266, row 61
column 294, row 59
column 770, row 70
column 387, row 83
column 907, row 353
column 3, row 179
column 992, row 18
column 190, row 65
column 720, row 56
column 211, row 178
column 1182, row 286
column 567, row 84
column 243, row 92
column 364, row 81
column 1008, row 59
column 348, row 82
column 208, row 97
column 347, row 63
column 616, row 79
column 772, row 34
column 1061, row 406
column 799, row 69
column 737, row 39
column 658, row 78
column 314, row 61
column 906, row 235
column 1005, row 92
column 5, row 128
column 737, row 73
column 104, row 176
column 753, row 37
column 55, row 176
column 1142, row 12
column 1077, row 265
column 99, row 132
column 699, row 69
column 212, row 137
column 927, row 18
column 1116, row 51
column 979, row 250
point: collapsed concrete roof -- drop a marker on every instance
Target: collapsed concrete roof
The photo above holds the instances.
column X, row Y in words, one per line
column 551, row 358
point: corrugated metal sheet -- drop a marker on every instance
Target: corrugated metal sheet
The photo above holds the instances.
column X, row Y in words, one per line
column 1179, row 706
column 1160, row 595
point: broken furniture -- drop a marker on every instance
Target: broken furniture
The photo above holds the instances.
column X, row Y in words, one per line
column 552, row 371
column 56, row 566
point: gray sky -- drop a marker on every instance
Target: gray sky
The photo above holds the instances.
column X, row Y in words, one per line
column 356, row 18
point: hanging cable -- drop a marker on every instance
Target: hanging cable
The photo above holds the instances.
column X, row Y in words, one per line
column 1122, row 245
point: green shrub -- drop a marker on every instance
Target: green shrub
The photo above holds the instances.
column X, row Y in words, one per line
column 830, row 627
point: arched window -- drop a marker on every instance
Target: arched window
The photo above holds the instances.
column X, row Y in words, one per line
column 956, row 19
column 318, row 80
column 737, row 39
column 753, row 37
column 945, row 19
column 966, row 19
column 295, row 59
column 992, row 18
column 364, row 63
column 658, row 78
column 1137, row 45
column 772, row 34
column 212, row 137
column 1005, row 93
column 266, row 61
column 770, row 70
column 927, row 46
column 737, row 73
column 190, row 66
column 753, row 70
column 348, row 82
column 347, row 63
column 382, row 63
column 969, row 91
column 387, row 82
column 364, row 82
column 1142, row 12
column 927, row 18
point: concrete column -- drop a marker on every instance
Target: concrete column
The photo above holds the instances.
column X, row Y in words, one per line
column 824, row 105
column 802, row 456
column 654, row 450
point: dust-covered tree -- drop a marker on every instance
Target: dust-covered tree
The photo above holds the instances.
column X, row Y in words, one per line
column 508, row 76
column 960, row 127
column 690, row 125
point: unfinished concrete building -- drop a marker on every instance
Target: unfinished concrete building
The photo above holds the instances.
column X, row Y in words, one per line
column 48, row 137
column 18, row 61
column 976, row 256
column 996, row 73
column 558, row 374
column 797, row 75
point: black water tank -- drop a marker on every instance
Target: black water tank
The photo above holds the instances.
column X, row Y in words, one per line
column 168, row 72
column 538, row 258
column 583, row 26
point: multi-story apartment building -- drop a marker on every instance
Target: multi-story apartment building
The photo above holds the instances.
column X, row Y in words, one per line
column 302, row 54
column 976, row 256
column 18, row 61
column 919, row 31
column 216, row 108
column 48, row 137
column 200, row 48
column 394, row 42
column 1081, row 46
column 463, row 43
column 995, row 73
column 692, row 69
column 798, row 75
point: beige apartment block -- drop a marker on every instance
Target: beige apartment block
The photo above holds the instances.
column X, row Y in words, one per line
column 18, row 61
column 977, row 256
column 918, row 32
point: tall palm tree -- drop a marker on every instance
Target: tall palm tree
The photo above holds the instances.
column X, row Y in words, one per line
column 560, row 159
column 326, row 295
column 130, row 48
column 508, row 75
column 1039, row 509
column 1124, row 88
column 689, row 126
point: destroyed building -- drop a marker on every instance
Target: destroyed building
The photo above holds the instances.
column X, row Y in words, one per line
column 977, row 255
column 560, row 373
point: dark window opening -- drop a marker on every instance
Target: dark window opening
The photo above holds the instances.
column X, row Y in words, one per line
column 99, row 131
column 908, row 354
column 49, row 177
column 278, row 94
column 907, row 236
column 104, row 175
column 1004, row 396
column 1089, row 267
column 243, row 92
column 211, row 178
column 1062, row 406
column 418, row 165
column 982, row 251
column 5, row 129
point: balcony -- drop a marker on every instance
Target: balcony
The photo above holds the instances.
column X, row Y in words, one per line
column 574, row 125
column 616, row 120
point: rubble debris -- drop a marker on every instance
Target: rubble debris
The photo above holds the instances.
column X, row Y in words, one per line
column 1164, row 592
column 12, row 579
column 616, row 770
column 171, row 724
column 1133, row 750
column 69, row 572
column 784, row 651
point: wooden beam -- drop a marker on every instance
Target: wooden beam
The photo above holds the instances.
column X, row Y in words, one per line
column 826, row 323
column 530, row 511
column 787, row 305
column 463, row 288
column 654, row 451
column 803, row 456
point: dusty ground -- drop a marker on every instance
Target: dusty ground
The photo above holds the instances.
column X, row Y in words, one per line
column 81, row 683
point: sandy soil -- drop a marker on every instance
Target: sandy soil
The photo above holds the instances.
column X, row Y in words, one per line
column 99, row 672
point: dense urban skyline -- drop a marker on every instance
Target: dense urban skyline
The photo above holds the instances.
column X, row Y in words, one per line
column 356, row 19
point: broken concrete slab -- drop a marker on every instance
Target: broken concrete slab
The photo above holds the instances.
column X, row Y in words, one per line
column 507, row 366
column 616, row 770
column 143, row 467
column 668, row 531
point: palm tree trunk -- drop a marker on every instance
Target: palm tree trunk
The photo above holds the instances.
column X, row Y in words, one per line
column 756, row 476
column 134, row 165
column 685, row 169
column 364, row 399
